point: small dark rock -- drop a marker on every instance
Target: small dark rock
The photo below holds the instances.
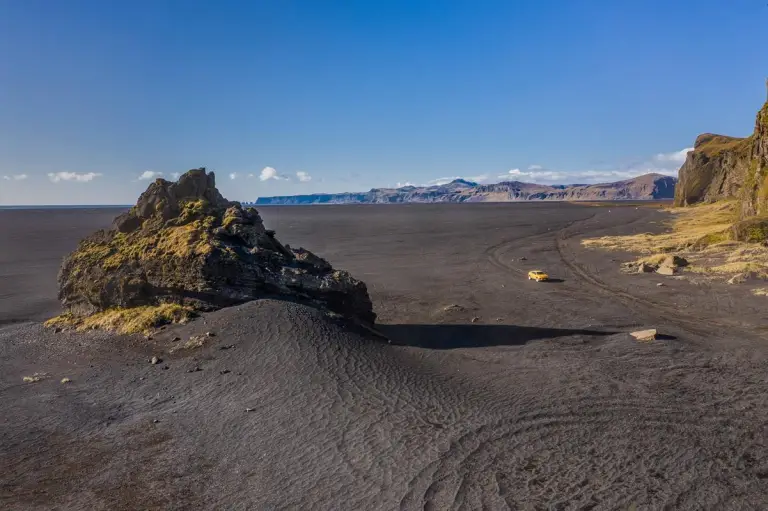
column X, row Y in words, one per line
column 250, row 409
column 227, row 347
column 57, row 330
column 210, row 334
column 155, row 421
column 225, row 371
column 176, row 339
column 475, row 319
column 155, row 360
column 165, row 368
column 194, row 369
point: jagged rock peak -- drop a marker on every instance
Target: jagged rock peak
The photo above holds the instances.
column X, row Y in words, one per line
column 184, row 243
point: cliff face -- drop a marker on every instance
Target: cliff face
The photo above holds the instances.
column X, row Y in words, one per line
column 647, row 187
column 723, row 167
column 755, row 194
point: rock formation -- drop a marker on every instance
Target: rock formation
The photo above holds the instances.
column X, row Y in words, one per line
column 723, row 167
column 184, row 243
column 647, row 187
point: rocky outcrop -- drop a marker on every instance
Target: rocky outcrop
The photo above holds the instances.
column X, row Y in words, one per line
column 184, row 243
column 714, row 170
column 723, row 167
column 647, row 187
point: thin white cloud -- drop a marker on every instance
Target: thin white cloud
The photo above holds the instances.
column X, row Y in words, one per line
column 407, row 183
column 73, row 176
column 149, row 174
column 303, row 176
column 482, row 178
column 16, row 177
column 251, row 175
column 175, row 175
column 268, row 173
column 233, row 175
column 675, row 157
column 662, row 163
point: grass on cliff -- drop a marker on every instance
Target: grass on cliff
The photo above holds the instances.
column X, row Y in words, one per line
column 715, row 145
column 130, row 320
column 702, row 235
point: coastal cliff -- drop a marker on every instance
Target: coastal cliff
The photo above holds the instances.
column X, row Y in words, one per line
column 721, row 167
column 646, row 187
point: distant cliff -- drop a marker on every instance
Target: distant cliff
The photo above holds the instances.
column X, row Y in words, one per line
column 647, row 187
column 721, row 167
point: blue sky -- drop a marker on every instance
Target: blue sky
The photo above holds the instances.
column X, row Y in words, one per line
column 359, row 94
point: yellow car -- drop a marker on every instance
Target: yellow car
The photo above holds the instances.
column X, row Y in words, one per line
column 538, row 276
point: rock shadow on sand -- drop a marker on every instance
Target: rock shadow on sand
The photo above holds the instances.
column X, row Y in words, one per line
column 448, row 337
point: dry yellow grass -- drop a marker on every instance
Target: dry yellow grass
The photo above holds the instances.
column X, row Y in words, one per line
column 700, row 234
column 761, row 291
column 126, row 320
column 703, row 225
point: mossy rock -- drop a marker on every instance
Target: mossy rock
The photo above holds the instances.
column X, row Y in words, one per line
column 752, row 230
column 184, row 245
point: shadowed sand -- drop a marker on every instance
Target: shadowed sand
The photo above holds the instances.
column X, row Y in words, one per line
column 495, row 392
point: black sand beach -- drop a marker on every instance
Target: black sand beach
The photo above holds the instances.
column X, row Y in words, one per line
column 494, row 392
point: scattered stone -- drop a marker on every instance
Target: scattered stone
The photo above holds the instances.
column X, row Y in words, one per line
column 644, row 335
column 165, row 368
column 196, row 341
column 659, row 284
column 149, row 337
column 194, row 369
column 523, row 258
column 227, row 347
column 176, row 339
column 210, row 334
column 740, row 278
column 65, row 380
column 453, row 308
column 155, row 360
column 225, row 371
column 155, row 421
column 475, row 319
column 57, row 330
column 646, row 268
column 34, row 378
column 250, row 409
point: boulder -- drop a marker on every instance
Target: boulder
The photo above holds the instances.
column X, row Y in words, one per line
column 184, row 243
column 644, row 335
column 666, row 270
column 674, row 261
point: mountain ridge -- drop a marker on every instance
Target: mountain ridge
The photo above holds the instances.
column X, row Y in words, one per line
column 646, row 187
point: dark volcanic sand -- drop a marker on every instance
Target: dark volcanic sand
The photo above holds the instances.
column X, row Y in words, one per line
column 543, row 402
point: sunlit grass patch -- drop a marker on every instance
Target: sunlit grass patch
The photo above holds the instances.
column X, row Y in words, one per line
column 702, row 235
column 130, row 320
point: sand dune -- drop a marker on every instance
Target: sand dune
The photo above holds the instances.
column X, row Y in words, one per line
column 542, row 402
